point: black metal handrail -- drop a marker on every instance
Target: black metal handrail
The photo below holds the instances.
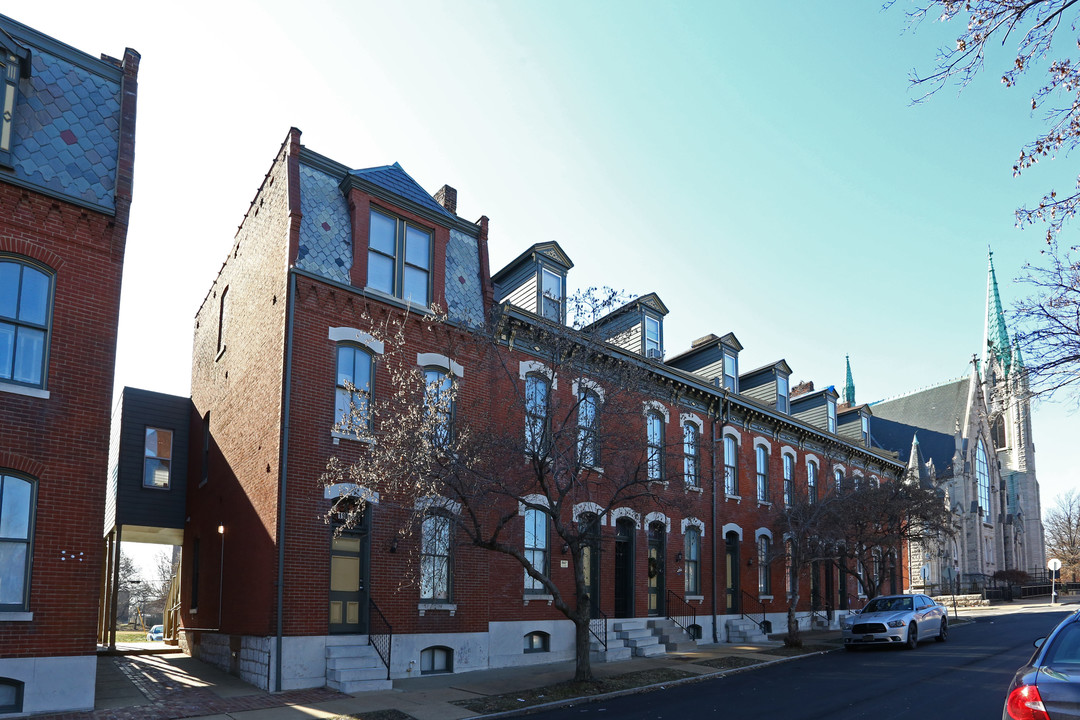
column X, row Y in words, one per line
column 822, row 611
column 682, row 613
column 762, row 624
column 598, row 627
column 380, row 635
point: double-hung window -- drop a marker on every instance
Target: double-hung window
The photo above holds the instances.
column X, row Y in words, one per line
column 789, row 480
column 654, row 423
column 351, row 407
column 588, row 441
column 731, row 371
column 866, row 430
column 551, row 295
column 537, row 388
column 652, row 337
column 439, row 406
column 764, row 581
column 762, row 474
column 782, row 398
column 435, row 558
column 157, row 463
column 399, row 258
column 838, row 475
column 536, row 547
column 731, row 466
column 811, row 482
column 692, row 560
column 17, row 501
column 691, row 472
column 25, row 309
column 831, row 414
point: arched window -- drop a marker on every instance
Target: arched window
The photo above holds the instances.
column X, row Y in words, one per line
column 436, row 659
column 692, row 560
column 537, row 641
column 997, row 434
column 838, row 476
column 731, row 466
column 17, row 502
column 789, row 480
column 536, row 547
column 811, row 482
column 762, row 474
column 764, row 552
column 654, row 423
column 537, row 391
column 690, row 454
column 11, row 695
column 588, row 418
column 982, row 477
column 435, row 569
column 25, row 314
column 439, row 392
column 354, row 367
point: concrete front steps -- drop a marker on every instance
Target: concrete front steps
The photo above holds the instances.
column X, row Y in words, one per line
column 742, row 630
column 672, row 637
column 353, row 666
column 642, row 637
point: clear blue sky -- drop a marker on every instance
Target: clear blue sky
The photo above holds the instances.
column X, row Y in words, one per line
column 758, row 165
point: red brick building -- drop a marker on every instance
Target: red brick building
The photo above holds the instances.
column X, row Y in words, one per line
column 324, row 255
column 67, row 134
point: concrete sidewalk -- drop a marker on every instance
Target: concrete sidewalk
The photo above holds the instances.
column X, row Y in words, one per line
column 174, row 685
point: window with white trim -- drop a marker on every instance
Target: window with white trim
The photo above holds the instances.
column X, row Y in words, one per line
column 830, row 406
column 764, row 550
column 692, row 560
column 537, row 391
column 811, row 482
column 26, row 296
column 782, row 399
column 866, row 429
column 731, row 371
column 536, row 547
column 654, row 423
column 731, row 466
column 355, row 367
column 762, row 474
column 691, row 463
column 435, row 567
column 399, row 258
column 789, row 480
column 157, row 460
column 653, row 348
column 551, row 295
column 439, row 391
column 17, row 505
column 838, row 476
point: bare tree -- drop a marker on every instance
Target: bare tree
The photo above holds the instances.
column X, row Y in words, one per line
column 1062, row 527
column 561, row 435
column 1041, row 35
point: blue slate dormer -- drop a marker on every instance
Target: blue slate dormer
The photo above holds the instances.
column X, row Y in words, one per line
column 535, row 281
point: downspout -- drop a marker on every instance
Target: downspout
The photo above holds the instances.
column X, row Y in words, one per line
column 284, row 478
column 715, row 548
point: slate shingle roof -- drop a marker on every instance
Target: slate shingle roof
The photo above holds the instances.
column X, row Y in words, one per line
column 399, row 182
column 933, row 413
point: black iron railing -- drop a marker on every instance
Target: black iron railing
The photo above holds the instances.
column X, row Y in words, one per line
column 682, row 614
column 380, row 634
column 763, row 625
column 819, row 610
column 598, row 627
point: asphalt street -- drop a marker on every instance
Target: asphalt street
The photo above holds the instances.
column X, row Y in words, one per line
column 961, row 679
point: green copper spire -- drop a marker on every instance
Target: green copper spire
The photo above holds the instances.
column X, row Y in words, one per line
column 849, row 384
column 995, row 336
column 1017, row 358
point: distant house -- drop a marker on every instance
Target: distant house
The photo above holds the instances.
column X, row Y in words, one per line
column 67, row 144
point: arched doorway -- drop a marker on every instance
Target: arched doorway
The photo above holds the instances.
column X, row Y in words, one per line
column 624, row 567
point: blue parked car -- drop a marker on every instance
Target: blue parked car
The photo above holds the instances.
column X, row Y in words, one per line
column 156, row 634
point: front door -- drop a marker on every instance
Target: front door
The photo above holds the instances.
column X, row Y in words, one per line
column 657, row 536
column 731, row 543
column 590, row 557
column 348, row 581
column 624, row 568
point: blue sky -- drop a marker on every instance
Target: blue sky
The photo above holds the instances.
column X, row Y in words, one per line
column 758, row 165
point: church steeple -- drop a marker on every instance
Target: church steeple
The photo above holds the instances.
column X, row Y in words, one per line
column 995, row 336
column 849, row 385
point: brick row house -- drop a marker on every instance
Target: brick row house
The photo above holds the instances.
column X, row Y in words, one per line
column 67, row 134
column 326, row 254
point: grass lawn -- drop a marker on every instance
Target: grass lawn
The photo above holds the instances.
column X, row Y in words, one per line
column 570, row 690
column 128, row 636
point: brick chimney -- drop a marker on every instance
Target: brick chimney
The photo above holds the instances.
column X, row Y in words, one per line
column 802, row 388
column 710, row 338
column 447, row 197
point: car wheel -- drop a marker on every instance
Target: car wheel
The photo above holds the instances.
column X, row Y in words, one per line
column 912, row 637
column 943, row 634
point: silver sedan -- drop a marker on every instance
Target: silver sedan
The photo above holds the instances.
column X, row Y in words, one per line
column 902, row 620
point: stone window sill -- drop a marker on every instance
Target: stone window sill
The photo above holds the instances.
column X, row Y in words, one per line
column 16, row 616
column 695, row 488
column 764, row 598
column 764, row 503
column 539, row 597
column 736, row 498
column 337, row 435
column 424, row 607
column 39, row 393
column 695, row 598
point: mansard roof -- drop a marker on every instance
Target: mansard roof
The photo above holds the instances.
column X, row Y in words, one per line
column 394, row 179
column 935, row 413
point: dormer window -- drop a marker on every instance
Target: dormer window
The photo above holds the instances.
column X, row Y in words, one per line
column 653, row 348
column 782, row 401
column 399, row 258
column 866, row 430
column 831, row 405
column 731, row 371
column 551, row 295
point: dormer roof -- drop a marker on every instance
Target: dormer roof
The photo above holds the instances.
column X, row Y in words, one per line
column 708, row 342
column 550, row 251
column 780, row 366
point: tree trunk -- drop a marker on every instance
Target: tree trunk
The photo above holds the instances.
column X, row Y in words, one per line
column 793, row 639
column 583, row 663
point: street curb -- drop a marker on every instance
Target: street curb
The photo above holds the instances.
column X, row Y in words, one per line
column 570, row 702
